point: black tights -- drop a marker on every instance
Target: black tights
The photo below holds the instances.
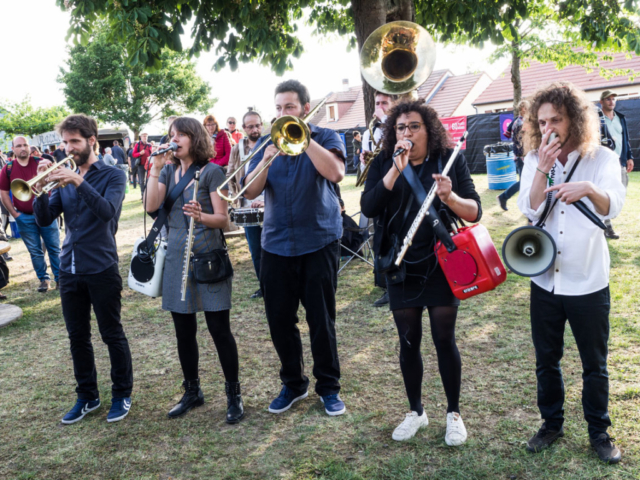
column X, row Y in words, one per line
column 220, row 330
column 443, row 325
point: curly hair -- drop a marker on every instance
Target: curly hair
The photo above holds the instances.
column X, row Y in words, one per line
column 438, row 140
column 570, row 100
column 201, row 149
column 211, row 119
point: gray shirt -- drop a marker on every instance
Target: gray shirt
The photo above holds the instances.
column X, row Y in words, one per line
column 108, row 159
column 615, row 129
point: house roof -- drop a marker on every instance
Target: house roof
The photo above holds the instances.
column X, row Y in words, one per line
column 347, row 96
column 449, row 97
column 539, row 74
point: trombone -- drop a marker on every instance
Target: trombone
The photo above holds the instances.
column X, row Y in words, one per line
column 25, row 190
column 290, row 134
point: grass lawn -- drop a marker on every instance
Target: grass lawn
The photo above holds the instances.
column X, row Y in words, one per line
column 498, row 400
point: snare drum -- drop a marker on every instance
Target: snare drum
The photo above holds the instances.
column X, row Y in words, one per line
column 247, row 217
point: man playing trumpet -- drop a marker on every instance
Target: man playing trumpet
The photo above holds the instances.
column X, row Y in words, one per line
column 91, row 203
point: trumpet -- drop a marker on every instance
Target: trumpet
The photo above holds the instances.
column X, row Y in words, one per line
column 25, row 190
column 290, row 134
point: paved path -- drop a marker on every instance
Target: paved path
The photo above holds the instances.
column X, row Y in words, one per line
column 9, row 313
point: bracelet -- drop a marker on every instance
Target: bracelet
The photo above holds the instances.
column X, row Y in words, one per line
column 544, row 173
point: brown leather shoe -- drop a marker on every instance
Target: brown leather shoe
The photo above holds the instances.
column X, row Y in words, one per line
column 44, row 286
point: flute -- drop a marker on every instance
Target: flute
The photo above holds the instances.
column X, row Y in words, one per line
column 189, row 246
column 424, row 209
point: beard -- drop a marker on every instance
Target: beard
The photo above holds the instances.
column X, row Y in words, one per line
column 254, row 137
column 23, row 155
column 80, row 158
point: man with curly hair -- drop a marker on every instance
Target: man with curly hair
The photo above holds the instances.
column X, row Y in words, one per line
column 576, row 287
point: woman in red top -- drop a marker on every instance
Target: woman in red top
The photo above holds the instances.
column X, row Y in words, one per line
column 220, row 141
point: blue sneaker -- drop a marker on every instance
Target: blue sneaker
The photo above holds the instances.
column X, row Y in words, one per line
column 119, row 409
column 286, row 398
column 333, row 405
column 79, row 410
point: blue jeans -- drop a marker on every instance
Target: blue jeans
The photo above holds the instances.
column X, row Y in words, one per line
column 253, row 235
column 31, row 234
column 356, row 161
column 515, row 188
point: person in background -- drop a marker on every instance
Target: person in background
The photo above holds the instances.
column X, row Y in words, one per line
column 141, row 153
column 118, row 153
column 383, row 103
column 615, row 135
column 220, row 141
column 252, row 124
column 25, row 167
column 59, row 153
column 236, row 134
column 131, row 162
column 514, row 132
column 108, row 158
column 357, row 148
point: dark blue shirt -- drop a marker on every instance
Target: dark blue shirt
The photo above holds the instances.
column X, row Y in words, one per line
column 118, row 154
column 301, row 214
column 91, row 214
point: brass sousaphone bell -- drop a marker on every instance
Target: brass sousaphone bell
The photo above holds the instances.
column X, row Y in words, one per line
column 395, row 59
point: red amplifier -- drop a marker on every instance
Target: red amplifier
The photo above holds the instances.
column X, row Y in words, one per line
column 475, row 266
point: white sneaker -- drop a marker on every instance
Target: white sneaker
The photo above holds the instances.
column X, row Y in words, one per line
column 456, row 433
column 411, row 424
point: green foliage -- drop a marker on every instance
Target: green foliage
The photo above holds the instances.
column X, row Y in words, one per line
column 100, row 83
column 22, row 118
column 241, row 31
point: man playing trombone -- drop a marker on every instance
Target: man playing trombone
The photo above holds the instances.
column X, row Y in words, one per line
column 91, row 203
column 300, row 251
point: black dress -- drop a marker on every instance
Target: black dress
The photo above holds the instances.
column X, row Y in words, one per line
column 425, row 284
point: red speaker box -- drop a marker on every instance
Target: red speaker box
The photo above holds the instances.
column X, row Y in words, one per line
column 475, row 266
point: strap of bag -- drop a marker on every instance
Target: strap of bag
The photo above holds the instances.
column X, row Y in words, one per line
column 168, row 204
column 548, row 207
column 420, row 194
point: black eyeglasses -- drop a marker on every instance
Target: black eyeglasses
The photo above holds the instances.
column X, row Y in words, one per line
column 231, row 123
column 413, row 126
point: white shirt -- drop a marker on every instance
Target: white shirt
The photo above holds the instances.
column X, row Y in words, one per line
column 367, row 144
column 582, row 260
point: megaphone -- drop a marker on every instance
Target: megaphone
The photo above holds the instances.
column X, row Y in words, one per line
column 529, row 251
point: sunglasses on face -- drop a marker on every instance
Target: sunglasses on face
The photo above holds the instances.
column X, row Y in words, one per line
column 231, row 123
column 413, row 127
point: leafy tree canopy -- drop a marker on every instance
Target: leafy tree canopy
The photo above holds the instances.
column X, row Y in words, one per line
column 22, row 118
column 99, row 82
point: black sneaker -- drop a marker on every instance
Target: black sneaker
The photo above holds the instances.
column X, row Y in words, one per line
column 383, row 300
column 257, row 294
column 543, row 439
column 606, row 450
column 610, row 233
column 503, row 202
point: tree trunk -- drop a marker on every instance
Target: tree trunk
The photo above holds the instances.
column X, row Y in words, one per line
column 369, row 15
column 515, row 76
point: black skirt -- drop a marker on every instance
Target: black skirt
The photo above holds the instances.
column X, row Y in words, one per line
column 418, row 291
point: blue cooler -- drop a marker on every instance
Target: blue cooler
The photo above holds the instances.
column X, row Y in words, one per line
column 501, row 166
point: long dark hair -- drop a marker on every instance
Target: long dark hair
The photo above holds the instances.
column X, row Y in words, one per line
column 201, row 149
column 438, row 141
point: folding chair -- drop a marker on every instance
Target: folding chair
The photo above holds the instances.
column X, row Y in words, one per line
column 365, row 251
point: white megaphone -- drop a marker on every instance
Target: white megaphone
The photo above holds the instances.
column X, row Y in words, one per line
column 529, row 251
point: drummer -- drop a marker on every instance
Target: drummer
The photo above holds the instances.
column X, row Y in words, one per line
column 252, row 125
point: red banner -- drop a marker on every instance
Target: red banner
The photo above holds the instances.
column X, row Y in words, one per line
column 455, row 126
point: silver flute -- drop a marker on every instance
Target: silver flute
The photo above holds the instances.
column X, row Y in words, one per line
column 187, row 249
column 424, row 209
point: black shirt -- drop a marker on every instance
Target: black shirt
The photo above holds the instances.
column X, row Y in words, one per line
column 91, row 214
column 388, row 206
column 118, row 154
column 59, row 154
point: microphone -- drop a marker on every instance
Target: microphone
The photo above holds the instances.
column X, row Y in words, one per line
column 400, row 151
column 171, row 148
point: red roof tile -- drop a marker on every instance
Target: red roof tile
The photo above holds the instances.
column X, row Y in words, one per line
column 454, row 90
column 539, row 74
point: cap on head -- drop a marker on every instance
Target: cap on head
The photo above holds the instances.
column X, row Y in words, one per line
column 607, row 94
